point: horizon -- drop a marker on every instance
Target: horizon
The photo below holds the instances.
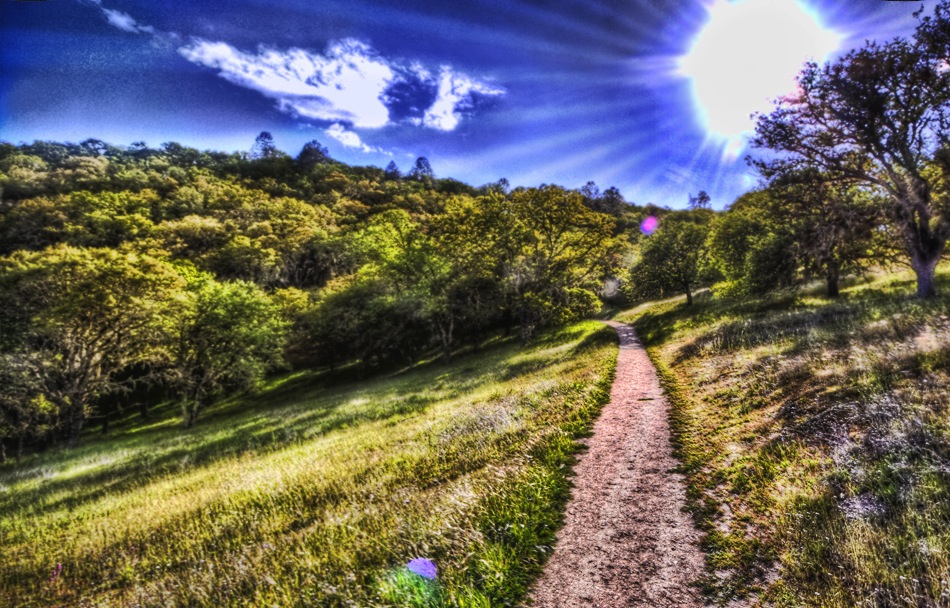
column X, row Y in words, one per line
column 562, row 94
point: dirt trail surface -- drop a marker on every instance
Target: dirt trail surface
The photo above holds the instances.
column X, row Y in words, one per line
column 626, row 540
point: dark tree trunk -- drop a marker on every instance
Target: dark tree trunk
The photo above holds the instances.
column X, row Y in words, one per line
column 689, row 296
column 143, row 409
column 19, row 447
column 75, row 424
column 527, row 327
column 925, row 267
column 105, row 423
column 834, row 289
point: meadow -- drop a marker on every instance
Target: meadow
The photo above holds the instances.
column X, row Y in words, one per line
column 814, row 434
column 317, row 492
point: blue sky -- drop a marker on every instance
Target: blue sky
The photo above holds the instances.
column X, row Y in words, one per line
column 537, row 92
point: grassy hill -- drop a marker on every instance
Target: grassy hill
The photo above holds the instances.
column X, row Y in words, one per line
column 317, row 494
column 816, row 439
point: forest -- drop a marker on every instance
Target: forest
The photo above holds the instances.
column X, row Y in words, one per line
column 147, row 287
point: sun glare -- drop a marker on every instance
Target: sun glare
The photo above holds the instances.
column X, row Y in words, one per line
column 747, row 54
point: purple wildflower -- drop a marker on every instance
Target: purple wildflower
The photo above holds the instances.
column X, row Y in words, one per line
column 423, row 567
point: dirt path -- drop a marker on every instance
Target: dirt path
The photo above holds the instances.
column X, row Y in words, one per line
column 626, row 540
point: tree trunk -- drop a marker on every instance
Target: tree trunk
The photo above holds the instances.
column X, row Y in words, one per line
column 105, row 423
column 446, row 336
column 925, row 245
column 925, row 267
column 689, row 296
column 527, row 328
column 75, row 422
column 143, row 409
column 834, row 289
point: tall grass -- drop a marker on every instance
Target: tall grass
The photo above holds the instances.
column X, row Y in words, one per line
column 816, row 440
column 315, row 495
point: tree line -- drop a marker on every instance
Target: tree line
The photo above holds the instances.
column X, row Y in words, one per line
column 198, row 273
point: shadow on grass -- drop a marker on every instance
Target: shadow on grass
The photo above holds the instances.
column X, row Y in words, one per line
column 296, row 408
column 183, row 449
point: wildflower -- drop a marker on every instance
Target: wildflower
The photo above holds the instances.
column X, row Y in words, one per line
column 423, row 567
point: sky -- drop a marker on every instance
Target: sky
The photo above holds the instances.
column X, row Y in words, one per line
column 649, row 96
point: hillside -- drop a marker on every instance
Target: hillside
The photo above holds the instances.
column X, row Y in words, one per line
column 316, row 494
column 814, row 436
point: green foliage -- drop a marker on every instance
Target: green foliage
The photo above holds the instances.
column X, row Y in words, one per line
column 368, row 320
column 674, row 258
column 225, row 338
column 76, row 317
column 751, row 247
column 801, row 227
column 556, row 254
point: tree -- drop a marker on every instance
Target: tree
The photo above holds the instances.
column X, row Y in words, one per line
column 96, row 147
column 700, row 201
column 674, row 258
column 264, row 146
column 877, row 116
column 835, row 226
column 412, row 260
column 226, row 339
column 422, row 170
column 611, row 202
column 556, row 254
column 76, row 317
column 753, row 250
column 24, row 412
column 391, row 172
column 23, row 175
column 311, row 155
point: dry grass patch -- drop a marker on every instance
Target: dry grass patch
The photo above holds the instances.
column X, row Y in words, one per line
column 816, row 438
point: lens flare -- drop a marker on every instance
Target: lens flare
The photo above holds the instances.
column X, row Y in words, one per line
column 649, row 225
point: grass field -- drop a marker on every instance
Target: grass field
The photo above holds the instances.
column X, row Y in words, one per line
column 815, row 435
column 310, row 494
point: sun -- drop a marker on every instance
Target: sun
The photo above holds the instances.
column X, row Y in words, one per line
column 747, row 54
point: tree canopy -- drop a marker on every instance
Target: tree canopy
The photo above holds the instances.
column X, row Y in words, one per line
column 877, row 116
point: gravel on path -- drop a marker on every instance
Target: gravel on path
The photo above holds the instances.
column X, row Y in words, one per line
column 626, row 539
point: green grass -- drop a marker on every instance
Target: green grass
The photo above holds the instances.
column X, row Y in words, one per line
column 815, row 436
column 317, row 495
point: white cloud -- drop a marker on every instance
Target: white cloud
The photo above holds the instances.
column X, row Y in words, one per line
column 126, row 22
column 345, row 85
column 350, row 84
column 348, row 138
column 455, row 95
